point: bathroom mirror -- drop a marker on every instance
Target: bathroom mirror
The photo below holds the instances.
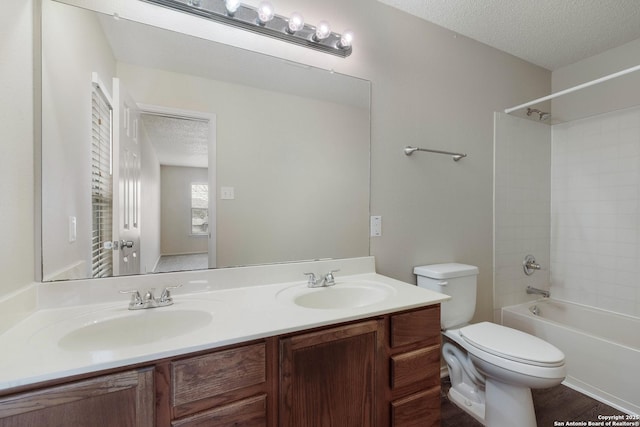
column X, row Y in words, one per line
column 166, row 152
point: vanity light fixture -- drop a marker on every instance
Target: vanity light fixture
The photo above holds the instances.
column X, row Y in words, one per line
column 231, row 6
column 346, row 39
column 263, row 20
column 323, row 30
column 295, row 23
column 265, row 12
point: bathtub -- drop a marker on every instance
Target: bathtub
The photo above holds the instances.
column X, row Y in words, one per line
column 602, row 348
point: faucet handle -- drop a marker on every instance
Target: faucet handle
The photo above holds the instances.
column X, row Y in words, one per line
column 329, row 278
column 312, row 279
column 136, row 299
column 166, row 294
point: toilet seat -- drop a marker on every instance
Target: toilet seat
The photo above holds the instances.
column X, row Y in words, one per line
column 512, row 344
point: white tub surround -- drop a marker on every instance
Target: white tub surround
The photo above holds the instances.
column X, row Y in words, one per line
column 244, row 304
column 522, row 224
column 595, row 249
column 602, row 348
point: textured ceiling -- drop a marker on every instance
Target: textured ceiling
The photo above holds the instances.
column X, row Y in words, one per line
column 177, row 141
column 548, row 33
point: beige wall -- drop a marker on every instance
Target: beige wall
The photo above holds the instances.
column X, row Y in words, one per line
column 175, row 212
column 439, row 93
column 16, row 134
column 150, row 205
column 74, row 47
column 433, row 89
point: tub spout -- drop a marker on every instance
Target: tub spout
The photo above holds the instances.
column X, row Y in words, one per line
column 532, row 290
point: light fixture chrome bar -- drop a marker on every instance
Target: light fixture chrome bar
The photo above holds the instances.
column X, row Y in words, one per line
column 246, row 17
column 573, row 89
column 408, row 150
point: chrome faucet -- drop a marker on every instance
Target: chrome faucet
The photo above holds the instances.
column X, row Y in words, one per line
column 536, row 291
column 149, row 300
column 328, row 280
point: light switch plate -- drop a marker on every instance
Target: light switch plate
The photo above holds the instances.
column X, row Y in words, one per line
column 73, row 230
column 227, row 193
column 376, row 226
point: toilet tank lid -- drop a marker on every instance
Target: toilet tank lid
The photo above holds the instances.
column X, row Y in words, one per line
column 446, row 271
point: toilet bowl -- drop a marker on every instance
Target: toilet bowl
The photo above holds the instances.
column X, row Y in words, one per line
column 510, row 364
column 492, row 368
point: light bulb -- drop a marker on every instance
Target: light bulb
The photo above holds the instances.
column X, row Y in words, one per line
column 323, row 30
column 296, row 23
column 232, row 6
column 265, row 12
column 346, row 39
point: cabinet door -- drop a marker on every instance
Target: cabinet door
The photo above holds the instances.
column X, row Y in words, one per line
column 328, row 377
column 124, row 399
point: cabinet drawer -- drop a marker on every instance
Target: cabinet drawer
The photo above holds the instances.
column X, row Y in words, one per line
column 217, row 373
column 416, row 367
column 417, row 410
column 416, row 326
column 251, row 412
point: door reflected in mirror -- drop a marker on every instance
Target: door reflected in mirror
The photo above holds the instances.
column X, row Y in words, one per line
column 165, row 152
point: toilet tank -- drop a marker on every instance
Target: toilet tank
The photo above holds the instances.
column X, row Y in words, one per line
column 459, row 281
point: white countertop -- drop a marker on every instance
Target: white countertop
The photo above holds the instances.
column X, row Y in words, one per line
column 30, row 350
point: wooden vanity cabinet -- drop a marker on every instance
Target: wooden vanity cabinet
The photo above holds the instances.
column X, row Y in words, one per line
column 328, row 377
column 413, row 352
column 380, row 372
column 124, row 399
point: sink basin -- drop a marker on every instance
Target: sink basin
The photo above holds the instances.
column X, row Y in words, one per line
column 134, row 328
column 342, row 295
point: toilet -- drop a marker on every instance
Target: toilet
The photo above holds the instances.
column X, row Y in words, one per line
column 492, row 368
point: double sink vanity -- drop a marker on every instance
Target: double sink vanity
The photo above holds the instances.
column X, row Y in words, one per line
column 253, row 346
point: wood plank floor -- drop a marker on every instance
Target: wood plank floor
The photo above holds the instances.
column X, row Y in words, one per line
column 559, row 403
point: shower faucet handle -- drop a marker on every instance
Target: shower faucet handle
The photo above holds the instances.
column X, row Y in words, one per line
column 529, row 265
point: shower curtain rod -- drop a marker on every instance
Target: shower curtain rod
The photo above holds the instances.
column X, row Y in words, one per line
column 574, row 88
